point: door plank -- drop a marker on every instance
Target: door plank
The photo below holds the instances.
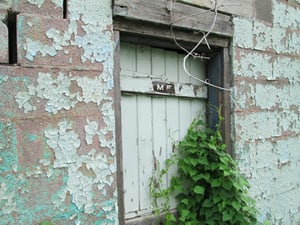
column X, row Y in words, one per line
column 130, row 155
column 128, row 56
column 143, row 59
column 145, row 149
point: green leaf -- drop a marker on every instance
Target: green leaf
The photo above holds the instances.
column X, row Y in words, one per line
column 193, row 172
column 227, row 216
column 216, row 183
column 227, row 185
column 236, row 205
column 207, row 203
column 204, row 176
column 203, row 160
column 212, row 146
column 199, row 190
column 184, row 213
column 170, row 217
column 185, row 201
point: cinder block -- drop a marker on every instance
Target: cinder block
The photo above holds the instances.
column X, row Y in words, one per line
column 55, row 42
column 3, row 43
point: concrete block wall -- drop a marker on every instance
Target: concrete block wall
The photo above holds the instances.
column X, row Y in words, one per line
column 266, row 118
column 57, row 124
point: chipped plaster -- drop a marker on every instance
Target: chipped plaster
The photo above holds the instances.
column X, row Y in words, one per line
column 65, row 143
column 56, row 92
column 8, row 197
column 266, row 123
column 78, row 156
column 39, row 3
column 96, row 42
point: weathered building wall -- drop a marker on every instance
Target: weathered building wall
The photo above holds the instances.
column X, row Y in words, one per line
column 57, row 125
column 57, row 148
column 266, row 69
column 266, row 119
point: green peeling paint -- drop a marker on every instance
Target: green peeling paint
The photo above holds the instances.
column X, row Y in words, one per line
column 8, row 151
column 31, row 137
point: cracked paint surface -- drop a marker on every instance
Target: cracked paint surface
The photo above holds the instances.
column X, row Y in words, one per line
column 58, row 124
column 266, row 119
column 82, row 32
column 39, row 3
column 56, row 91
column 84, row 171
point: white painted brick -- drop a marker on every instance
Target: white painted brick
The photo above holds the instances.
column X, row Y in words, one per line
column 282, row 208
column 289, row 150
column 282, row 97
column 243, row 33
column 262, row 36
column 244, row 95
column 260, row 125
column 287, row 67
column 273, row 183
column 294, row 43
column 279, row 38
column 286, row 16
column 253, row 65
column 263, row 125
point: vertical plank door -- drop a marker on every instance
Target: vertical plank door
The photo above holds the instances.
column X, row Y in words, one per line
column 154, row 122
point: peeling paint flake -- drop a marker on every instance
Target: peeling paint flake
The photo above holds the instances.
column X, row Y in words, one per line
column 7, row 203
column 91, row 129
column 84, row 171
column 39, row 3
column 56, row 91
column 58, row 3
column 93, row 90
column 32, row 47
column 65, row 142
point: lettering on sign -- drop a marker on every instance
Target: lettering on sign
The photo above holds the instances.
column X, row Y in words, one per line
column 163, row 87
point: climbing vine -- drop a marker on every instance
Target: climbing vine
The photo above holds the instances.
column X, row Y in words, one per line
column 210, row 189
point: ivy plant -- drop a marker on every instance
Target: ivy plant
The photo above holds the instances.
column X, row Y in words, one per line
column 210, row 190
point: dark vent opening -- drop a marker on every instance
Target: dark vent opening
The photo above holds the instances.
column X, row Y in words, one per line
column 65, row 9
column 12, row 37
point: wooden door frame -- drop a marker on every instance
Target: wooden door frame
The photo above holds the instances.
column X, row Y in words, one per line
column 159, row 36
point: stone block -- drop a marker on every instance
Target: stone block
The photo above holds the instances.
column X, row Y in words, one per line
column 253, row 65
column 59, row 145
column 55, row 42
column 243, row 36
column 3, row 43
column 36, row 92
column 52, row 8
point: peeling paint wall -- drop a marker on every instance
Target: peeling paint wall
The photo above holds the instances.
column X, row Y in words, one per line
column 266, row 118
column 57, row 123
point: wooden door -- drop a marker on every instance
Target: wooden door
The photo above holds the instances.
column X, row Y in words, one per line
column 158, row 103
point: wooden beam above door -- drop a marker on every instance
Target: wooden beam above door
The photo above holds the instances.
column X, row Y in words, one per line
column 184, row 16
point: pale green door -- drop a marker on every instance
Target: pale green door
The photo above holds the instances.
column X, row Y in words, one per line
column 158, row 103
